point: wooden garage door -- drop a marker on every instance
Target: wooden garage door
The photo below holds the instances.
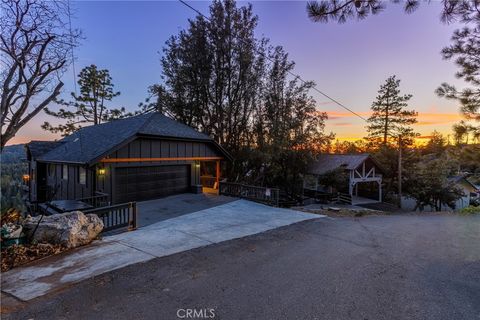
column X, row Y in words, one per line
column 145, row 183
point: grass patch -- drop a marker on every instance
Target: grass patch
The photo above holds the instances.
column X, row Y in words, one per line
column 470, row 210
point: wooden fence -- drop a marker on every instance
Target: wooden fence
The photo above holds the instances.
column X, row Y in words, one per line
column 343, row 198
column 117, row 216
column 260, row 194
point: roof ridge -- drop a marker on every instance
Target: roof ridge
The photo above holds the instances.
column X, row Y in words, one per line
column 148, row 120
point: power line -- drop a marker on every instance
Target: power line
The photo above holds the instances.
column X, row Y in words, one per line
column 71, row 40
column 288, row 71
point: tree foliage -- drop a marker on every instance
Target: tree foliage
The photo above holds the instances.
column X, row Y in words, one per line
column 89, row 107
column 430, row 185
column 336, row 179
column 389, row 119
column 222, row 80
column 36, row 44
column 465, row 51
column 344, row 10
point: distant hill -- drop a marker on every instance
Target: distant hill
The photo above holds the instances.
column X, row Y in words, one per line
column 13, row 154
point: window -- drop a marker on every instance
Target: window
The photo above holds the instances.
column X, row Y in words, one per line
column 64, row 172
column 51, row 170
column 82, row 175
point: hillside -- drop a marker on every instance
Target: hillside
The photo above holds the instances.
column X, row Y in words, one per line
column 13, row 154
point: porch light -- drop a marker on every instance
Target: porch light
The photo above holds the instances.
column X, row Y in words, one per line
column 197, row 164
column 26, row 178
column 101, row 171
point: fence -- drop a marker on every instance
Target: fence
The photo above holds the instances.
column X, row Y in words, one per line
column 260, row 194
column 117, row 216
column 343, row 198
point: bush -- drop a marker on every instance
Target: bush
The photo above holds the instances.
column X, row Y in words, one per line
column 470, row 210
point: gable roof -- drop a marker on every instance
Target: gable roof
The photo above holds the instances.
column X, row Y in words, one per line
column 329, row 162
column 89, row 143
column 461, row 178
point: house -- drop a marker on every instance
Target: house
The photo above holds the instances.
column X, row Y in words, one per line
column 138, row 158
column 363, row 172
column 468, row 189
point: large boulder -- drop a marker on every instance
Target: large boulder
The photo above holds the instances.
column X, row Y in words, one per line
column 71, row 229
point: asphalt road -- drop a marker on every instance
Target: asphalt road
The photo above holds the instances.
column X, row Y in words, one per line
column 392, row 267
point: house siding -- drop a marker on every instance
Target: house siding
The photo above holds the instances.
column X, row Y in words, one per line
column 68, row 188
column 153, row 148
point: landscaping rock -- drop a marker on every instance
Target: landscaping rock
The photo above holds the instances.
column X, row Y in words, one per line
column 71, row 229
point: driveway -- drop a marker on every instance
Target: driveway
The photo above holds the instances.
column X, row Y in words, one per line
column 385, row 267
column 153, row 211
column 232, row 220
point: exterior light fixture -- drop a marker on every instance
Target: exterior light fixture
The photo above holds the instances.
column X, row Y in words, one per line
column 26, row 178
column 101, row 171
column 197, row 164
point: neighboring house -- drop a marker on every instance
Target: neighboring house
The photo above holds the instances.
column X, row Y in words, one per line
column 468, row 189
column 133, row 159
column 364, row 174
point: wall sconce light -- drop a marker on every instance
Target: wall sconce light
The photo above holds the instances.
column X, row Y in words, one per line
column 197, row 164
column 101, row 171
column 26, row 178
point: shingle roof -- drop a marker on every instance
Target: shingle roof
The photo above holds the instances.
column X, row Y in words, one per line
column 91, row 142
column 329, row 162
column 38, row 148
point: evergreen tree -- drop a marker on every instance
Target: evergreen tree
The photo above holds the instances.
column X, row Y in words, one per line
column 89, row 107
column 222, row 80
column 390, row 119
column 465, row 50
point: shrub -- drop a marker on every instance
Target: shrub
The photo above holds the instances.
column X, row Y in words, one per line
column 470, row 210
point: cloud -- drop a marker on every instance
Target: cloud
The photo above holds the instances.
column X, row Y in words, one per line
column 342, row 124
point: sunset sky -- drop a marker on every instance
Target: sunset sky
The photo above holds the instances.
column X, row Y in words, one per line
column 348, row 62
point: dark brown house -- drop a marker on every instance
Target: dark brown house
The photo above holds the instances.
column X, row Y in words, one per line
column 134, row 159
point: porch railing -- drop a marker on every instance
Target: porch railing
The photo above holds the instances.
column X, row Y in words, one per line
column 100, row 199
column 260, row 194
column 117, row 216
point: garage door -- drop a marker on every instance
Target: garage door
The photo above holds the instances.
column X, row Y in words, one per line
column 145, row 183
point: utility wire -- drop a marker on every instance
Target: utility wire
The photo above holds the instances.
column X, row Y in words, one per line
column 288, row 71
column 71, row 40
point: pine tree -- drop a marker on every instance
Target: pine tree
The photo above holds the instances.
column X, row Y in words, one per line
column 465, row 51
column 89, row 107
column 390, row 119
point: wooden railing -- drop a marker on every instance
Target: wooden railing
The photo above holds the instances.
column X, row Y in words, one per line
column 100, row 199
column 117, row 216
column 260, row 194
column 343, row 198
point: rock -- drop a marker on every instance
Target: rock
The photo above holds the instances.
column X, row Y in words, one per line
column 71, row 229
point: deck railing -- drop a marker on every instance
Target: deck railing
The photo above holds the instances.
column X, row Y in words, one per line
column 100, row 199
column 117, row 216
column 260, row 194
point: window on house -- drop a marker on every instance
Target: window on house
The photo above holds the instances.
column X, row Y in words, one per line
column 82, row 175
column 64, row 172
column 51, row 170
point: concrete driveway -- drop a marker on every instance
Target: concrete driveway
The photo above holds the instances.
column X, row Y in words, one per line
column 232, row 220
column 157, row 210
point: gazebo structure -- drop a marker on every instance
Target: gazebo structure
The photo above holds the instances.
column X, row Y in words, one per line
column 362, row 169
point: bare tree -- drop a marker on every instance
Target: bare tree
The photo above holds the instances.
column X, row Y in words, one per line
column 36, row 43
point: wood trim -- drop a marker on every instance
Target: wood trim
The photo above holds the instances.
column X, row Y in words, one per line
column 119, row 160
